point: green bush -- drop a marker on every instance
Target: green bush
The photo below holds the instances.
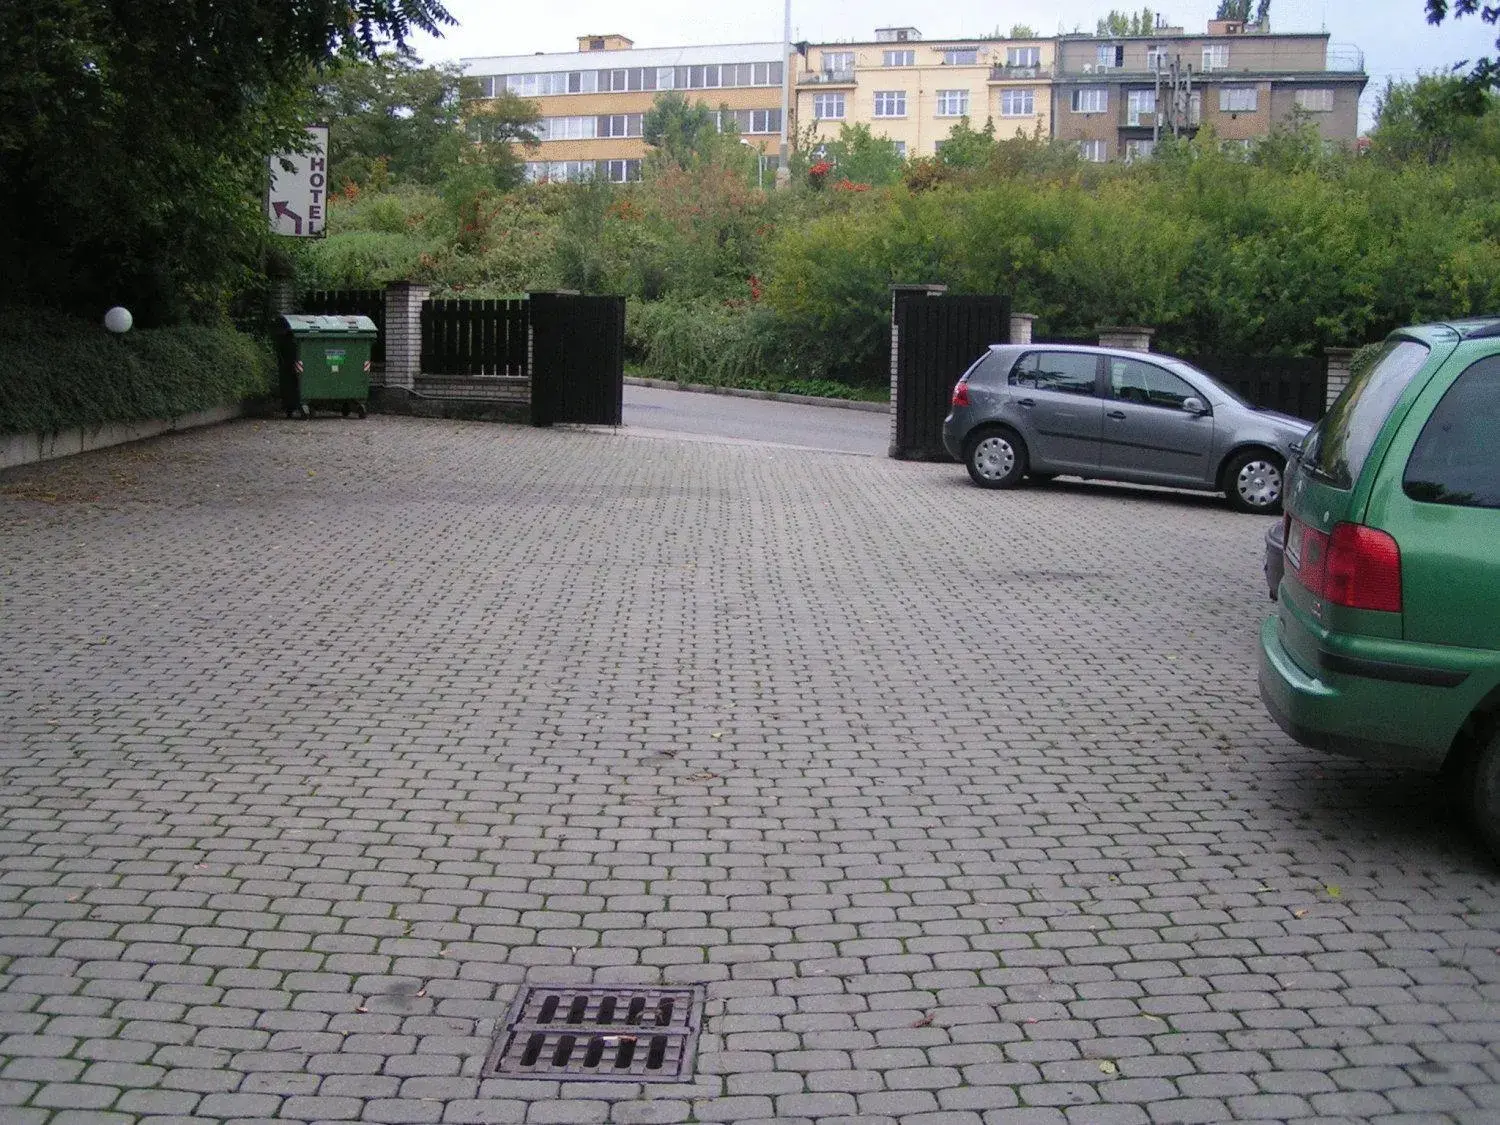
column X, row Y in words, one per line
column 58, row 372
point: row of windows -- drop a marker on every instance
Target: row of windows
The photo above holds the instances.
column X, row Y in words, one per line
column 576, row 171
column 714, row 76
column 842, row 62
column 1232, row 99
column 950, row 103
column 630, row 124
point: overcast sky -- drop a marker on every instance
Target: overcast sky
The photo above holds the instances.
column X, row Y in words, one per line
column 1396, row 40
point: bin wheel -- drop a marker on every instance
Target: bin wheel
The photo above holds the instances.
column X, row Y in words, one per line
column 359, row 408
column 344, row 410
column 305, row 411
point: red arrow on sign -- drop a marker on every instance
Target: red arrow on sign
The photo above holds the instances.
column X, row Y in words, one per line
column 284, row 212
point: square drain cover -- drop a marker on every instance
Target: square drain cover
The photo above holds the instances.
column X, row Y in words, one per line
column 578, row 1034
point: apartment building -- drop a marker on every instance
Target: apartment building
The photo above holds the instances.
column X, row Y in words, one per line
column 913, row 92
column 593, row 100
column 1116, row 97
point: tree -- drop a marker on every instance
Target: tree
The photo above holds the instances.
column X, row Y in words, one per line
column 680, row 131
column 967, row 147
column 1486, row 72
column 863, row 158
column 1021, row 31
column 1433, row 119
column 135, row 136
column 1118, row 24
column 1240, row 10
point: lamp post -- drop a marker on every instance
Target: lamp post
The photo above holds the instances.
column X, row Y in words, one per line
column 760, row 163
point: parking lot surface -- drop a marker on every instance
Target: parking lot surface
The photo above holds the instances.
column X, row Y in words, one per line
column 320, row 739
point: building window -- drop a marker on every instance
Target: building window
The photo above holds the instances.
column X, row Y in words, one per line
column 952, row 103
column 1096, row 152
column 567, row 128
column 1195, row 108
column 900, row 58
column 1314, row 101
column 838, row 62
column 1216, row 57
column 1023, row 56
column 622, row 171
column 750, row 120
column 890, row 103
column 961, row 56
column 1158, row 58
column 1017, row 103
column 1138, row 104
column 900, row 149
column 1091, row 99
column 1237, row 99
column 1139, row 150
column 620, row 125
column 828, row 107
column 1108, row 56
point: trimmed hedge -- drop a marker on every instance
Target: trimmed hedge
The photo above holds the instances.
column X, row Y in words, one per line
column 58, row 372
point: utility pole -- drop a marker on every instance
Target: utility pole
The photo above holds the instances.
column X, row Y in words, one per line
column 783, row 171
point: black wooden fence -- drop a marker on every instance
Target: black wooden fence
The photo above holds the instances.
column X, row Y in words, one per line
column 578, row 366
column 937, row 338
column 1295, row 385
column 474, row 338
column 350, row 302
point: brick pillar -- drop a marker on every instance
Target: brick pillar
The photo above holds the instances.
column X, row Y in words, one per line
column 1338, row 371
column 281, row 297
column 403, row 334
column 1131, row 337
column 1020, row 327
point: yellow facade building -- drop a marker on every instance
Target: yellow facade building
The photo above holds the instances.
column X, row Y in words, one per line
column 913, row 92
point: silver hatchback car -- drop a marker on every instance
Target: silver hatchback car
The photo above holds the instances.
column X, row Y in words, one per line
column 1045, row 410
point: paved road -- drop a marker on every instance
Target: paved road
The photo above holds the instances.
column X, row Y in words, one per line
column 318, row 740
column 652, row 410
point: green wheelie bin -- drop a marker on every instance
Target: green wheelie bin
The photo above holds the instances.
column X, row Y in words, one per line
column 324, row 362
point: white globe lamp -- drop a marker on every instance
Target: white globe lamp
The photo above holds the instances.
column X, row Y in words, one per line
column 118, row 319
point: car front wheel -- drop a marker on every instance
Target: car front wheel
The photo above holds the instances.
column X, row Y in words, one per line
column 996, row 458
column 1253, row 482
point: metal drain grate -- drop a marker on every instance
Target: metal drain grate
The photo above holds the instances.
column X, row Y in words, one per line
column 599, row 1034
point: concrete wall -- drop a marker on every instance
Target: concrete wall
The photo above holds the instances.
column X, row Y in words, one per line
column 26, row 449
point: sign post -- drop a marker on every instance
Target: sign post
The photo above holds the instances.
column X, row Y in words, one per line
column 297, row 203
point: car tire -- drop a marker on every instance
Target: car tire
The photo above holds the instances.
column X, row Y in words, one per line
column 1253, row 482
column 1482, row 785
column 996, row 457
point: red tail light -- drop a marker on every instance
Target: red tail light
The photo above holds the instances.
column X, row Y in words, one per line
column 1357, row 567
column 961, row 393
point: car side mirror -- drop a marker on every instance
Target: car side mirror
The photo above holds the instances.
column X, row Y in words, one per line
column 1195, row 405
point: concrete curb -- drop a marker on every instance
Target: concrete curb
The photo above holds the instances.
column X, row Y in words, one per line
column 27, row 449
column 772, row 396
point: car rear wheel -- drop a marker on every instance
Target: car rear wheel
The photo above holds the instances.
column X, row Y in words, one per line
column 996, row 458
column 1483, row 777
column 1253, row 482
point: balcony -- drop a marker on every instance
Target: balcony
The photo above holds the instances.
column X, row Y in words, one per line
column 826, row 78
column 1002, row 72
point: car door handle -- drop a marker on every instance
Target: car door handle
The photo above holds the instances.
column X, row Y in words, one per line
column 1115, row 414
column 1027, row 402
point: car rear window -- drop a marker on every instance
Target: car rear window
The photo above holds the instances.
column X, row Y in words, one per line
column 1072, row 373
column 1454, row 461
column 1337, row 448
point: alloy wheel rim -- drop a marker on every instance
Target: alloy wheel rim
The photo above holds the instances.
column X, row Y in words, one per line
column 1259, row 484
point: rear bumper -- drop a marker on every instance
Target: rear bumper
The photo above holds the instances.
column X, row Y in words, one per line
column 1345, row 714
column 952, row 440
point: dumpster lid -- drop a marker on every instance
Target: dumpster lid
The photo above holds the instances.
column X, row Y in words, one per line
column 301, row 324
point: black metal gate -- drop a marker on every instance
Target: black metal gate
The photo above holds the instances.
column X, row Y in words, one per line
column 935, row 340
column 1291, row 384
column 577, row 359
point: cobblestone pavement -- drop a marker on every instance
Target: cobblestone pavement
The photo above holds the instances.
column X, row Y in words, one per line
column 319, row 739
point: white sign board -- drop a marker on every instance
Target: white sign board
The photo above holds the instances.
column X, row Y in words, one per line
column 297, row 203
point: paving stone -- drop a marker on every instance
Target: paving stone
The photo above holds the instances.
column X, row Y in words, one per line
column 236, row 820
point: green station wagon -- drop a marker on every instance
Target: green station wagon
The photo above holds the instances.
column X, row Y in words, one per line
column 1386, row 640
